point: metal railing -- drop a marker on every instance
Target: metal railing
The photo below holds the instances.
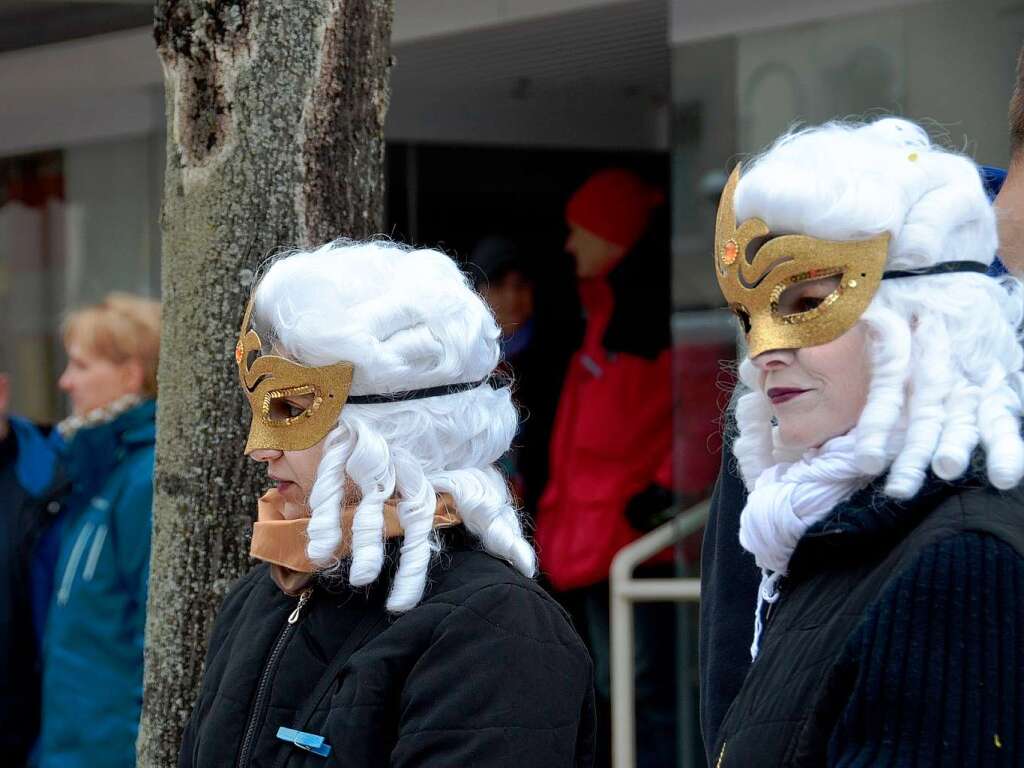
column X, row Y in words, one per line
column 627, row 590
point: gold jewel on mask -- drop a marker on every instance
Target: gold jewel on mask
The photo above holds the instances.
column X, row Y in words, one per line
column 755, row 268
column 271, row 384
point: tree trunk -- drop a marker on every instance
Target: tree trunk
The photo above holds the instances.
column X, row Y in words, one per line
column 275, row 116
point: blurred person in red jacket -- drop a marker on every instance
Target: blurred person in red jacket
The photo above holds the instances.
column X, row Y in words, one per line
column 611, row 450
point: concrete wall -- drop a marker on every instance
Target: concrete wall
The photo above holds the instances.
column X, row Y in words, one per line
column 31, row 263
column 422, row 19
column 104, row 236
column 704, row 140
column 80, row 91
column 110, row 86
column 950, row 65
column 694, row 20
column 597, row 119
column 112, row 207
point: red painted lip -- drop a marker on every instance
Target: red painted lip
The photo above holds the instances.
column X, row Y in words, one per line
column 282, row 484
column 779, row 395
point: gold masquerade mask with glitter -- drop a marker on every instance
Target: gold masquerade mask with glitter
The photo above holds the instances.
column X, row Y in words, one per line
column 272, row 384
column 755, row 268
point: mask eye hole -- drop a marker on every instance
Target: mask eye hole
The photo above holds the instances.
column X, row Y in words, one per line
column 742, row 316
column 286, row 406
column 805, row 296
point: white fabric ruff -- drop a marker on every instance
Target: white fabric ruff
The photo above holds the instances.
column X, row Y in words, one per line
column 786, row 500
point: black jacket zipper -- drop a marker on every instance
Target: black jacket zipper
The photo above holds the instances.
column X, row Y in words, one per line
column 259, row 704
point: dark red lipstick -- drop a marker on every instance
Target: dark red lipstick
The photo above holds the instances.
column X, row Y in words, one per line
column 779, row 395
column 282, row 484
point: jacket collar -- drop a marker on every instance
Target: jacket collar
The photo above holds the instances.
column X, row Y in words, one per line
column 135, row 425
column 282, row 542
column 870, row 521
column 93, row 452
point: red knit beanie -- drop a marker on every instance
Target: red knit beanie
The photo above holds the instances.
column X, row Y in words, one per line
column 615, row 205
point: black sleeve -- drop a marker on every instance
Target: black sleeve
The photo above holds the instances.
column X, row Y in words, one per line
column 504, row 682
column 728, row 582
column 19, row 662
column 940, row 663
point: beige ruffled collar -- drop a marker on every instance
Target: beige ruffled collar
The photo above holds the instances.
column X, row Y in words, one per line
column 282, row 542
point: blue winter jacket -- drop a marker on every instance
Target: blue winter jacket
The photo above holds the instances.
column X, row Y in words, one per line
column 92, row 650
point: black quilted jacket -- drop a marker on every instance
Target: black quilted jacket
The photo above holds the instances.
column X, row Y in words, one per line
column 896, row 640
column 485, row 671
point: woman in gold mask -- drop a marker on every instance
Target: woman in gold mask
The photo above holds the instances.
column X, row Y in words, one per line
column 394, row 621
column 879, row 441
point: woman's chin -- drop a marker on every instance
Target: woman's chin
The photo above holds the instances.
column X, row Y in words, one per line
column 797, row 440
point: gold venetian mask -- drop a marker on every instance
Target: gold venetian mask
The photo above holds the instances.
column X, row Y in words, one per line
column 756, row 269
column 272, row 384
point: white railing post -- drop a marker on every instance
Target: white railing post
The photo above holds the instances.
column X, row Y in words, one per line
column 627, row 590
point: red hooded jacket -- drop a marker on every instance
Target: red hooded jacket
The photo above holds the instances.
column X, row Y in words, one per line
column 612, row 438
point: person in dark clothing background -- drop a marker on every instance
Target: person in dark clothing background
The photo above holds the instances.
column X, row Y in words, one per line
column 394, row 620
column 891, row 548
column 98, row 568
column 533, row 355
column 611, row 449
column 26, row 472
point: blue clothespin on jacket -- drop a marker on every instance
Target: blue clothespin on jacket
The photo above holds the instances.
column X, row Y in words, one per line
column 307, row 741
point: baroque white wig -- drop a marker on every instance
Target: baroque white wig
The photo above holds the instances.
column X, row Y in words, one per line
column 406, row 319
column 945, row 351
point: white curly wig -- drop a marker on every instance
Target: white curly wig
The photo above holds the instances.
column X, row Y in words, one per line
column 945, row 350
column 406, row 319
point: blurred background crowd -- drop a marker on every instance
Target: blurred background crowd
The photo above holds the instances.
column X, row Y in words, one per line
column 568, row 153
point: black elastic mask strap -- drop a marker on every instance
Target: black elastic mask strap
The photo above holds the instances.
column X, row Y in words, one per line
column 414, row 394
column 945, row 268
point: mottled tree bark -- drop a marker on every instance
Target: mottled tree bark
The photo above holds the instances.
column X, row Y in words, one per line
column 275, row 116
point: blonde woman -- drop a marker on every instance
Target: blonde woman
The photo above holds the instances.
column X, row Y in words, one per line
column 92, row 649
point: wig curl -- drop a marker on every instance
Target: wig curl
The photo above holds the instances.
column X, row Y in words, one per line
column 945, row 350
column 405, row 319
